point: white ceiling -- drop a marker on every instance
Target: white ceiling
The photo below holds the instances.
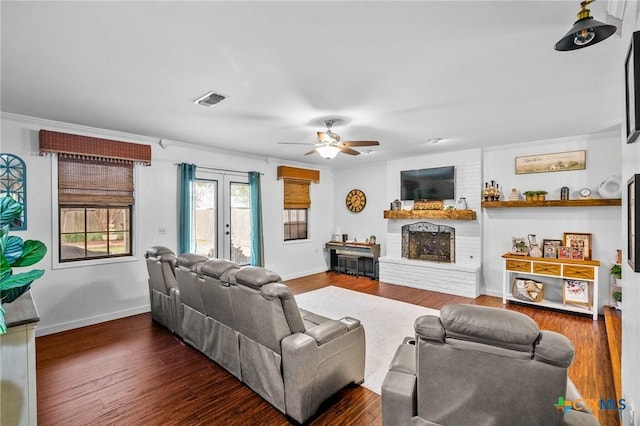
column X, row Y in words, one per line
column 475, row 73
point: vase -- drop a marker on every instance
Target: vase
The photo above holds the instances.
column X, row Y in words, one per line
column 461, row 204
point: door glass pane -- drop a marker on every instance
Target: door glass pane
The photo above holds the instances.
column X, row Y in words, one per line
column 206, row 217
column 240, row 223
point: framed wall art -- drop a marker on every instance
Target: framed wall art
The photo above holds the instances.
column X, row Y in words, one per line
column 633, row 222
column 576, row 292
column 13, row 183
column 632, row 96
column 553, row 162
column 550, row 248
column 580, row 241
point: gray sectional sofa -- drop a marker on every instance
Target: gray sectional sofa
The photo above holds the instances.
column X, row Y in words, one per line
column 246, row 320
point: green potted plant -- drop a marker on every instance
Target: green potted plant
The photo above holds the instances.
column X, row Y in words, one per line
column 617, row 296
column 616, row 272
column 14, row 253
column 541, row 195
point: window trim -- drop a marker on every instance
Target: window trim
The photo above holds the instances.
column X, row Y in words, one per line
column 55, row 228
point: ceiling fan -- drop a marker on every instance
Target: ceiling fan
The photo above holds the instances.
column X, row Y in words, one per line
column 329, row 145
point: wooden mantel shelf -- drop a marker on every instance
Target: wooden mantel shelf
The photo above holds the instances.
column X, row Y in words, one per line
column 431, row 214
column 588, row 202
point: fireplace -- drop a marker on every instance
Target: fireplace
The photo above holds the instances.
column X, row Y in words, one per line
column 428, row 241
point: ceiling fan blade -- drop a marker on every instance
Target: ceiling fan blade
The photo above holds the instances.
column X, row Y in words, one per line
column 349, row 151
column 328, row 137
column 360, row 143
column 310, row 152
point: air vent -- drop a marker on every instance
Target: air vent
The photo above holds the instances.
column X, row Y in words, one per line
column 209, row 100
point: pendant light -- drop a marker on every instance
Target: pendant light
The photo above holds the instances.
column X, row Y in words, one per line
column 585, row 31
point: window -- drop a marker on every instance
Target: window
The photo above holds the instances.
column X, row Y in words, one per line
column 297, row 201
column 94, row 232
column 95, row 194
column 295, row 224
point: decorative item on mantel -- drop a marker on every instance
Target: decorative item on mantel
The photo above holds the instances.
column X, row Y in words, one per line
column 611, row 187
column 514, row 195
column 538, row 195
column 461, row 204
column 534, row 248
column 491, row 193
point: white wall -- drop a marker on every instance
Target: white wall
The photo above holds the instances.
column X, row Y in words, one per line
column 499, row 225
column 71, row 297
column 631, row 280
column 370, row 221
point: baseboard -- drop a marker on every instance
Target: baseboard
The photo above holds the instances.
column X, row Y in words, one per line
column 304, row 274
column 57, row 328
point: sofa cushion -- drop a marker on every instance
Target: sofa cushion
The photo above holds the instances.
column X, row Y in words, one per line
column 255, row 277
column 190, row 260
column 492, row 326
column 216, row 268
column 157, row 251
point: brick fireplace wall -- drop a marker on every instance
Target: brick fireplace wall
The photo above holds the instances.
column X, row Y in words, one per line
column 461, row 278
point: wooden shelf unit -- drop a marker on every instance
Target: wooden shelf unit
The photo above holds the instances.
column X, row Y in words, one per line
column 431, row 214
column 587, row 202
column 585, row 270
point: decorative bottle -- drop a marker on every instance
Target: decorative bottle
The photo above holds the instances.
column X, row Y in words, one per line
column 461, row 204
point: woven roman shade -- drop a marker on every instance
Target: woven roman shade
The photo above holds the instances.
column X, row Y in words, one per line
column 66, row 145
column 296, row 194
column 88, row 182
column 296, row 186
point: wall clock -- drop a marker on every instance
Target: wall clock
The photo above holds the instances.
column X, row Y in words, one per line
column 356, row 200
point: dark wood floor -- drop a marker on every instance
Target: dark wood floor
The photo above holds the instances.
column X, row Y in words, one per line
column 134, row 372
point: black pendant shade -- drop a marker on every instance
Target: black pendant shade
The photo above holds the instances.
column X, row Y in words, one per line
column 585, row 31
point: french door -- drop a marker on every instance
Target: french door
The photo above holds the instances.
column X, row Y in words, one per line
column 221, row 217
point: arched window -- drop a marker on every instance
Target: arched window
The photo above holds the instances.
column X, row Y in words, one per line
column 13, row 183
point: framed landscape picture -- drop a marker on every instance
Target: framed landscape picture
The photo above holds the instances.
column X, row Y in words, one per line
column 577, row 240
column 633, row 222
column 632, row 83
column 576, row 292
column 554, row 162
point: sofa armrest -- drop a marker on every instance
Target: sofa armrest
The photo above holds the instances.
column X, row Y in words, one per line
column 399, row 389
column 312, row 372
column 327, row 331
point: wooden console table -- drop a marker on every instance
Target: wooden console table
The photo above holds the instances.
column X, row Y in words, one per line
column 584, row 270
column 368, row 251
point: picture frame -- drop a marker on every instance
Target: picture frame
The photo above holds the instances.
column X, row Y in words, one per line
column 578, row 240
column 632, row 96
column 633, row 222
column 564, row 252
column 552, row 162
column 576, row 292
column 550, row 248
column 519, row 245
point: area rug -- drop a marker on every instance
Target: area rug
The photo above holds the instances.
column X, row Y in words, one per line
column 386, row 322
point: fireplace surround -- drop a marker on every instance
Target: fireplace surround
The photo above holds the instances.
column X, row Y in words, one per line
column 429, row 242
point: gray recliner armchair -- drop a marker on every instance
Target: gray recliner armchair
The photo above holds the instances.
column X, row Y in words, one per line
column 477, row 365
column 162, row 285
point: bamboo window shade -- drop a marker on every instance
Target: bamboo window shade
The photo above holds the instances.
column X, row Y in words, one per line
column 89, row 182
column 296, row 186
column 94, row 171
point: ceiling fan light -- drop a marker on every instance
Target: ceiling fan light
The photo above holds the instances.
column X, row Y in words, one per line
column 585, row 31
column 328, row 151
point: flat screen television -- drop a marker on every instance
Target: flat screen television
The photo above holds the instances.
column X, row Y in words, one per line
column 436, row 183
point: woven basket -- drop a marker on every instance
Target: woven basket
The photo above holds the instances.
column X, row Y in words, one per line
column 527, row 290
